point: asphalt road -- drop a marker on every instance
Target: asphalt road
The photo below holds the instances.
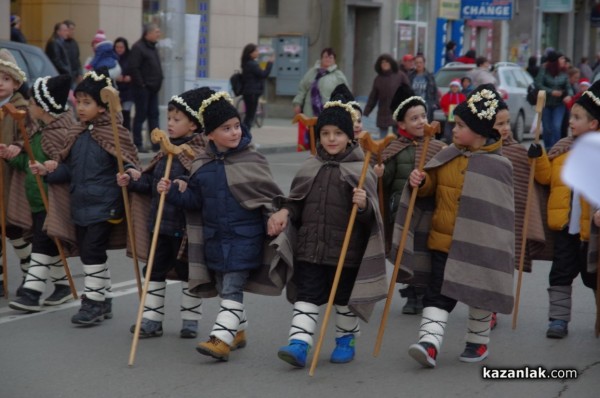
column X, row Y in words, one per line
column 44, row 355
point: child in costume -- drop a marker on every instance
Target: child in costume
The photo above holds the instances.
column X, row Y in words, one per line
column 89, row 164
column 227, row 200
column 448, row 102
column 184, row 128
column 399, row 159
column 472, row 230
column 319, row 206
column 48, row 106
column 11, row 79
column 569, row 216
column 517, row 154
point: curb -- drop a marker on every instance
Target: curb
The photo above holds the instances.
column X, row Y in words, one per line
column 272, row 149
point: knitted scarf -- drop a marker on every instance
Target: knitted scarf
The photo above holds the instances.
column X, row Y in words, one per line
column 315, row 93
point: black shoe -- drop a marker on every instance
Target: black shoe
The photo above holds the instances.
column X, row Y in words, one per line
column 148, row 329
column 141, row 149
column 61, row 294
column 91, row 311
column 108, row 308
column 28, row 302
column 1, row 287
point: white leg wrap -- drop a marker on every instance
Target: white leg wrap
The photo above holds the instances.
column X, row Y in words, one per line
column 560, row 302
column 108, row 284
column 346, row 322
column 95, row 281
column 433, row 324
column 191, row 305
column 58, row 276
column 478, row 326
column 228, row 320
column 37, row 275
column 304, row 322
column 23, row 251
column 154, row 306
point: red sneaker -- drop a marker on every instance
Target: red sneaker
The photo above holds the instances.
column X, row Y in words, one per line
column 424, row 353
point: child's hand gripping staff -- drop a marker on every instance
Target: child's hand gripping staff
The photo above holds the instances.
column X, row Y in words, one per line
column 19, row 116
column 379, row 146
column 430, row 131
column 367, row 144
column 170, row 150
column 539, row 107
column 111, row 96
column 3, row 220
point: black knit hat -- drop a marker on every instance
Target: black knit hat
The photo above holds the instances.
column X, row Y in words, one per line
column 590, row 100
column 52, row 93
column 215, row 109
column 404, row 99
column 342, row 92
column 189, row 102
column 339, row 114
column 93, row 82
column 479, row 110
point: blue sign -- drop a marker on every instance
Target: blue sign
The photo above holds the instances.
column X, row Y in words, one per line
column 486, row 9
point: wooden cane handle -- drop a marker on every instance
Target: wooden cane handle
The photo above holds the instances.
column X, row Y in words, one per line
column 110, row 95
column 17, row 114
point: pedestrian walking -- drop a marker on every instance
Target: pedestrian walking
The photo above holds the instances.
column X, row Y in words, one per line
column 254, row 78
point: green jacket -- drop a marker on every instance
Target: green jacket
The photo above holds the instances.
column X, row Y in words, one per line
column 548, row 83
column 327, row 84
column 21, row 163
column 396, row 173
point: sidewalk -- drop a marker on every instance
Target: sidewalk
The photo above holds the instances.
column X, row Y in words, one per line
column 276, row 136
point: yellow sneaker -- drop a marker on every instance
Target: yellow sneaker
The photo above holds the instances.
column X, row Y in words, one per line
column 239, row 341
column 215, row 348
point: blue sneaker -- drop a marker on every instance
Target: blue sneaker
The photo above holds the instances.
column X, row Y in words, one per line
column 557, row 329
column 294, row 353
column 344, row 349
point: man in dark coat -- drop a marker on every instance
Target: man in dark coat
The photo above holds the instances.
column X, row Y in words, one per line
column 72, row 49
column 147, row 76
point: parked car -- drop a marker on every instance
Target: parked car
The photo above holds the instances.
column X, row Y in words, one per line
column 513, row 81
column 32, row 60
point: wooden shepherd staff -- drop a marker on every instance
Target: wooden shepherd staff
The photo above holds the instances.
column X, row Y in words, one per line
column 111, row 96
column 539, row 107
column 19, row 116
column 170, row 150
column 429, row 132
column 366, row 143
column 378, row 147
column 3, row 223
column 310, row 123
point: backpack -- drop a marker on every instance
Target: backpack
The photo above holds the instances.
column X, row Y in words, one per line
column 532, row 93
column 237, row 83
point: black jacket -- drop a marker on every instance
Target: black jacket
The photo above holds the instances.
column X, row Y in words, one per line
column 144, row 65
column 254, row 77
column 72, row 49
column 55, row 50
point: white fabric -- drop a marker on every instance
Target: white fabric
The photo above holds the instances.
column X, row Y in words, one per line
column 191, row 305
column 346, row 322
column 58, row 276
column 95, row 281
column 108, row 284
column 574, row 226
column 154, row 306
column 304, row 322
column 433, row 324
column 25, row 248
column 37, row 275
column 228, row 320
column 478, row 326
column 581, row 167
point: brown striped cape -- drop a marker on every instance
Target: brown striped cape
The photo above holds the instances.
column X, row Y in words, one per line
column 371, row 282
column 251, row 183
column 140, row 203
column 480, row 265
column 536, row 237
column 58, row 220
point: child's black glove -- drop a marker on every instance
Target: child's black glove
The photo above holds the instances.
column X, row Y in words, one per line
column 534, row 151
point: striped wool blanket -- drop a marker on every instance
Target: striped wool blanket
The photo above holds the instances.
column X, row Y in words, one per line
column 480, row 265
column 371, row 282
column 251, row 183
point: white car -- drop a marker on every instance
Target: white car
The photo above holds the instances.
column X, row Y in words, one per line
column 513, row 81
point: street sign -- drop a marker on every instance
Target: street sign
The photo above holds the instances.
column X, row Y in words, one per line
column 486, row 9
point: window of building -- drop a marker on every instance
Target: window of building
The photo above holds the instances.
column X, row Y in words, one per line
column 268, row 8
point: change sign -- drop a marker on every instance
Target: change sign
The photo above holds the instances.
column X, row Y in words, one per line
column 486, row 9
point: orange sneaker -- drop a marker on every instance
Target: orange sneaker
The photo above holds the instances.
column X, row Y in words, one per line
column 215, row 348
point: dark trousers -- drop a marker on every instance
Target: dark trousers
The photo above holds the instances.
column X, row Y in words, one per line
column 251, row 103
column 146, row 107
column 314, row 281
column 41, row 242
column 165, row 259
column 570, row 260
column 13, row 232
column 433, row 294
column 93, row 242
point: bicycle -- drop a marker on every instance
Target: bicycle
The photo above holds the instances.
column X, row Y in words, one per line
column 261, row 110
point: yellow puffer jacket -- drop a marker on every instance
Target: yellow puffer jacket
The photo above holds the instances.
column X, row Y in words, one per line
column 446, row 182
column 547, row 172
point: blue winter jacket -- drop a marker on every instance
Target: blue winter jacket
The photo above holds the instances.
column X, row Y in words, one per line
column 95, row 195
column 233, row 236
column 104, row 55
